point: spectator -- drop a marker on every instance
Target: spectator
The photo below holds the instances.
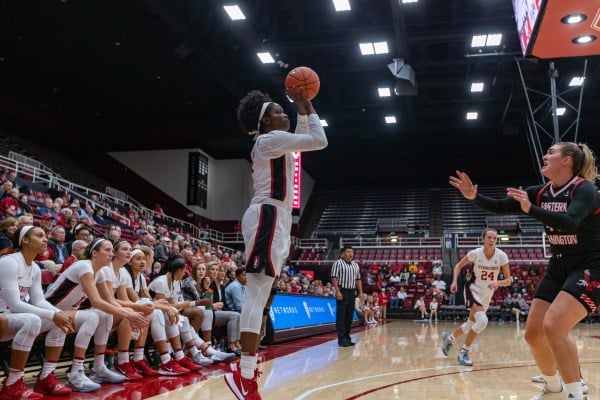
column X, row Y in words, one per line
column 149, row 240
column 24, row 220
column 359, row 309
column 47, row 208
column 99, row 217
column 188, row 257
column 83, row 232
column 235, row 292
column 113, row 233
column 163, row 250
column 438, row 283
column 77, row 253
column 382, row 302
column 398, row 300
column 5, row 188
column 57, row 249
column 24, row 207
column 395, row 278
column 9, row 204
column 8, row 227
column 63, row 218
column 420, row 305
column 433, row 309
column 47, row 223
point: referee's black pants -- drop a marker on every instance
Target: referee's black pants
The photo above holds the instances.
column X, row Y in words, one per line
column 344, row 313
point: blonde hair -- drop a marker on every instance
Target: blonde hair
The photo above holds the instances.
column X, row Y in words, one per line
column 146, row 250
column 584, row 161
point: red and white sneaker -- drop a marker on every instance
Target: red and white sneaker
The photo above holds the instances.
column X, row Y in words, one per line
column 187, row 363
column 172, row 368
column 51, row 386
column 17, row 391
column 144, row 368
column 242, row 388
column 128, row 370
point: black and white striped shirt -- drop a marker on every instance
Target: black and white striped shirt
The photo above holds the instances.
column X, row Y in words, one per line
column 346, row 273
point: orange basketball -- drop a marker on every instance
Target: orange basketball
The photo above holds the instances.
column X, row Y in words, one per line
column 303, row 78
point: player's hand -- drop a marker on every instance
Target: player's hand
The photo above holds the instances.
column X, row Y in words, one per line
column 63, row 321
column 493, row 286
column 173, row 316
column 521, row 196
column 147, row 308
column 303, row 105
column 453, row 287
column 137, row 320
column 463, row 183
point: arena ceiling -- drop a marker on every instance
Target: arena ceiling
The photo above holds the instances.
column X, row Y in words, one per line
column 90, row 77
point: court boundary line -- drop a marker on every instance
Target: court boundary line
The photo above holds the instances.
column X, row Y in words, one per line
column 511, row 364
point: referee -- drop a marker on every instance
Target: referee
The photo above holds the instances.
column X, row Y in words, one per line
column 345, row 276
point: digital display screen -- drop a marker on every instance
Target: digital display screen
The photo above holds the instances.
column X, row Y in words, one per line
column 296, row 311
column 297, row 175
column 527, row 13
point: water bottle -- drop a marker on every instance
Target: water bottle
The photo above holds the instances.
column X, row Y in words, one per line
column 209, row 295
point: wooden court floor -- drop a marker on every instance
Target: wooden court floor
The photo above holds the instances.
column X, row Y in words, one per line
column 402, row 360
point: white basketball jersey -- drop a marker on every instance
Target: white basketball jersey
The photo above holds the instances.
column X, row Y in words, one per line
column 66, row 292
column 486, row 270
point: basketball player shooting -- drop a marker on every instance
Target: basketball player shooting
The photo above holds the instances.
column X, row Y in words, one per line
column 267, row 222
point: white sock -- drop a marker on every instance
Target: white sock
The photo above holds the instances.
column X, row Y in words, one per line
column 47, row 369
column 77, row 364
column 98, row 362
column 192, row 350
column 552, row 382
column 138, row 354
column 123, row 357
column 179, row 354
column 248, row 364
column 210, row 351
column 14, row 375
column 165, row 358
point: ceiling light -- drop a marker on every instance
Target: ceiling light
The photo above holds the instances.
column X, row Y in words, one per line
column 584, row 39
column 472, row 115
column 477, row 87
column 367, row 49
column 265, row 58
column 409, row 1
column 384, row 92
column 381, row 47
column 341, row 5
column 324, row 123
column 572, row 19
column 494, row 39
column 234, row 12
column 478, row 40
column 390, row 119
column 577, row 81
column 561, row 111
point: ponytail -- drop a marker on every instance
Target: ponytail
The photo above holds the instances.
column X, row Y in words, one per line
column 584, row 161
